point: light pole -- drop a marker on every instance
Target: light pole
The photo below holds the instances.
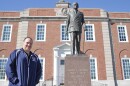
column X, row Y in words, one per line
column 112, row 50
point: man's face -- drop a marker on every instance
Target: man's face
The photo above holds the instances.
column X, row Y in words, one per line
column 27, row 45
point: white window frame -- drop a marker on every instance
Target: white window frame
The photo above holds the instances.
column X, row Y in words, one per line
column 5, row 72
column 61, row 33
column 93, row 33
column 43, row 69
column 123, row 67
column 3, row 33
column 96, row 71
column 125, row 33
column 44, row 32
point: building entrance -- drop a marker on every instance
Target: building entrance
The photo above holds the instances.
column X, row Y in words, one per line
column 60, row 53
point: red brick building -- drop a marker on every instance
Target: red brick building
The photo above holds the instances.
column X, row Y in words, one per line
column 106, row 42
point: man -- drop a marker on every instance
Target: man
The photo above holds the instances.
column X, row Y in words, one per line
column 75, row 20
column 23, row 67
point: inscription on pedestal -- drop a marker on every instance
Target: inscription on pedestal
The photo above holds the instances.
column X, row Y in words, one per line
column 77, row 71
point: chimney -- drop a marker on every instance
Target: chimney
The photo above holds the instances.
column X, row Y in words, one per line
column 62, row 4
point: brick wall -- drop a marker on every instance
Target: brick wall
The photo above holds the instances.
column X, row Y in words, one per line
column 53, row 39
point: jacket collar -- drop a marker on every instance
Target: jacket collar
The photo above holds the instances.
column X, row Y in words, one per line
column 24, row 51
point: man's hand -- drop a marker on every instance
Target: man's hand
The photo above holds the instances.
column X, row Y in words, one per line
column 84, row 27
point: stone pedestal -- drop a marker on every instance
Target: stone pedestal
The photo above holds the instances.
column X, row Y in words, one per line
column 77, row 70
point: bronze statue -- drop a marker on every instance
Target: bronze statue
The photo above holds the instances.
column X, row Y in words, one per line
column 75, row 20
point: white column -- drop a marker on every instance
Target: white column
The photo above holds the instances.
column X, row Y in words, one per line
column 22, row 33
column 107, row 51
column 55, row 73
column 22, row 29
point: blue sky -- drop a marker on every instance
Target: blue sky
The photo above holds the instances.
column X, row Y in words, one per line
column 108, row 5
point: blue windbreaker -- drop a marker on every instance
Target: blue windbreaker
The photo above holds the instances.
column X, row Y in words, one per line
column 21, row 71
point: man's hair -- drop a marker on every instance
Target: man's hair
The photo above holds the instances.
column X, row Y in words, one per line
column 27, row 37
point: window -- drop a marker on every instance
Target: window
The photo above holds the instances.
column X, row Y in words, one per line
column 122, row 33
column 40, row 32
column 42, row 61
column 2, row 68
column 64, row 37
column 6, row 33
column 62, row 62
column 93, row 68
column 89, row 32
column 126, row 68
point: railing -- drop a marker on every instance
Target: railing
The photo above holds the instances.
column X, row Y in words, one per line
column 47, row 83
column 94, row 83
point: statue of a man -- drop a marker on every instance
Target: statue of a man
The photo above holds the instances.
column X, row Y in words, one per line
column 75, row 20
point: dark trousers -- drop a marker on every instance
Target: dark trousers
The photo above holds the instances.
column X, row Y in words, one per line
column 75, row 42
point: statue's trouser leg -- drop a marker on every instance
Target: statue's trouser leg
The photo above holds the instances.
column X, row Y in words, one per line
column 78, row 38
column 75, row 42
column 72, row 42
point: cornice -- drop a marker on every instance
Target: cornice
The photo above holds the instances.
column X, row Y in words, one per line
column 9, row 19
column 62, row 18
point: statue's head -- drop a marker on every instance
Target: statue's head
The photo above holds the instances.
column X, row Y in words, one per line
column 75, row 5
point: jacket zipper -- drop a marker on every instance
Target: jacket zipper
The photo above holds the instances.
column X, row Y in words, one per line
column 28, row 61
